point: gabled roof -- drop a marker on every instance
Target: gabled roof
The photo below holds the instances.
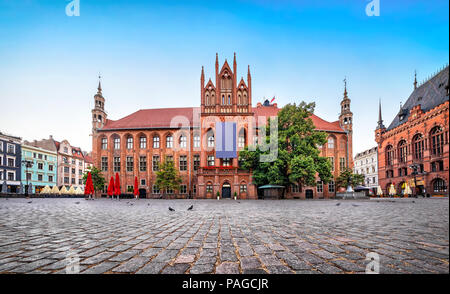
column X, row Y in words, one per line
column 157, row 118
column 429, row 95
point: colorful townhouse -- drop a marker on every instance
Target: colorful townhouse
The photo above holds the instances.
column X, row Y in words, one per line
column 43, row 171
column 10, row 163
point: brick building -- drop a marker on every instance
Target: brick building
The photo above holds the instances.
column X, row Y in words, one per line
column 418, row 135
column 204, row 141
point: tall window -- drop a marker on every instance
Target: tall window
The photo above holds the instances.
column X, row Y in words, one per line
column 155, row 163
column 226, row 162
column 196, row 141
column 130, row 143
column 241, row 139
column 183, row 141
column 169, row 141
column 418, row 143
column 196, row 162
column 183, row 162
column 116, row 143
column 330, row 143
column 243, row 188
column 331, row 186
column 143, row 142
column 104, row 143
column 331, row 159
column 116, row 161
column 437, row 141
column 389, row 155
column 183, row 189
column 129, row 163
column 319, row 187
column 342, row 164
column 210, row 160
column 156, row 142
column 209, row 187
column 104, row 165
column 142, row 163
column 210, row 139
column 294, row 188
column 155, row 189
column 402, row 151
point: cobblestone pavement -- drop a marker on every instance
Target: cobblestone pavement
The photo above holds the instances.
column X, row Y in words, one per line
column 226, row 236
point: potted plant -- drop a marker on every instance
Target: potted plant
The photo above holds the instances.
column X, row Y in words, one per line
column 218, row 195
column 235, row 195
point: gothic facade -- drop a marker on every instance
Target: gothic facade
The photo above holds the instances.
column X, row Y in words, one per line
column 417, row 137
column 204, row 142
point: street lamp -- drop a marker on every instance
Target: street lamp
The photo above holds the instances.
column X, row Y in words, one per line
column 415, row 167
column 27, row 164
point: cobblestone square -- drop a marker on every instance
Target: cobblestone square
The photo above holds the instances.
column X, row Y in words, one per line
column 226, row 236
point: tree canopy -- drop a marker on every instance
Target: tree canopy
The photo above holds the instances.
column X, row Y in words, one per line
column 298, row 159
column 167, row 177
column 97, row 178
column 346, row 175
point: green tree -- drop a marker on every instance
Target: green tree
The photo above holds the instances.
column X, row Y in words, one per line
column 346, row 175
column 97, row 178
column 298, row 159
column 167, row 177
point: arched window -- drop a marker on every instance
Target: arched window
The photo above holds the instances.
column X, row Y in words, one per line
column 229, row 99
column 116, row 142
column 155, row 142
column 196, row 141
column 389, row 155
column 210, row 140
column 245, row 99
column 418, row 144
column 104, row 143
column 207, row 100
column 243, row 187
column 402, row 151
column 143, row 142
column 130, row 142
column 437, row 141
column 169, row 141
column 439, row 186
column 241, row 138
column 209, row 187
column 223, row 99
column 330, row 143
column 183, row 141
column 239, row 101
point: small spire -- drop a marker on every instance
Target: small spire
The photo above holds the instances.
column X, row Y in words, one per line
column 99, row 88
column 345, row 87
column 415, row 79
column 380, row 119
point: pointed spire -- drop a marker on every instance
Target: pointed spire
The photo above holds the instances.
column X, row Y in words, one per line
column 345, row 87
column 380, row 118
column 415, row 79
column 99, row 88
column 203, row 73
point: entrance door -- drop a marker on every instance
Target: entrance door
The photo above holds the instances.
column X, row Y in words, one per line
column 309, row 194
column 142, row 193
column 226, row 190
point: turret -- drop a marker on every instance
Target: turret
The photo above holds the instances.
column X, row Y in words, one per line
column 98, row 113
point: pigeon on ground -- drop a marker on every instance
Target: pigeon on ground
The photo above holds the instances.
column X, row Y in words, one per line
column 77, row 202
column 148, row 204
column 29, row 201
column 338, row 204
column 160, row 197
column 413, row 201
column 171, row 209
column 190, row 207
column 355, row 205
column 238, row 202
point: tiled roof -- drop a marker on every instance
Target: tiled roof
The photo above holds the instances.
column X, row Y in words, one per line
column 161, row 117
column 429, row 95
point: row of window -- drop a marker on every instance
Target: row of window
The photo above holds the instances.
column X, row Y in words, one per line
column 129, row 164
column 66, row 170
column 319, row 187
column 66, row 160
column 9, row 175
column 72, row 181
column 169, row 142
column 436, row 145
column 40, row 177
column 10, row 148
column 10, row 162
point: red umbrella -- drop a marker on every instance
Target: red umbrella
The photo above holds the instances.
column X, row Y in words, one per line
column 117, row 185
column 111, row 187
column 89, row 187
column 136, row 191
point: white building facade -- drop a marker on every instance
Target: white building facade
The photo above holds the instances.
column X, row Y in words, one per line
column 366, row 163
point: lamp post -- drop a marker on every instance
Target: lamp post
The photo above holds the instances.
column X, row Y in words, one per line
column 415, row 167
column 27, row 164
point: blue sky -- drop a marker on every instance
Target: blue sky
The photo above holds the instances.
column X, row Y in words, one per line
column 150, row 55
